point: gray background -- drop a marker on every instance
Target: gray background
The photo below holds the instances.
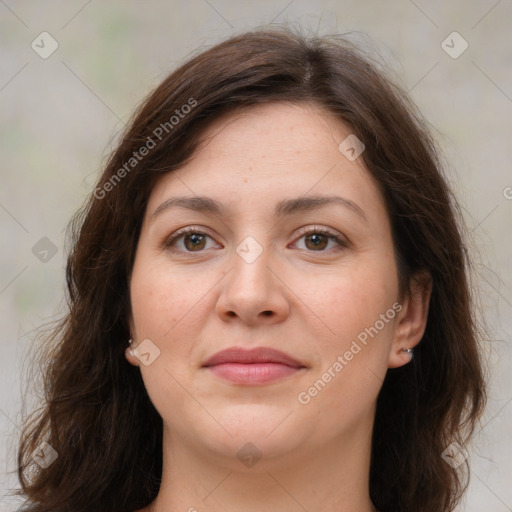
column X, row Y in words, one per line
column 61, row 116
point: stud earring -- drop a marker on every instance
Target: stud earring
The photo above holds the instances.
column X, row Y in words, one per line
column 130, row 341
column 409, row 351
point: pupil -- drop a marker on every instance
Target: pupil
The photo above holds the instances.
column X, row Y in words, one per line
column 195, row 240
column 317, row 240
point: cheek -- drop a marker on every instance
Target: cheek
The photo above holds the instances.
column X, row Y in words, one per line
column 350, row 299
column 162, row 310
column 160, row 298
column 354, row 361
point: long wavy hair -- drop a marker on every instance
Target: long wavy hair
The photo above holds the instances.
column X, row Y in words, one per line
column 96, row 413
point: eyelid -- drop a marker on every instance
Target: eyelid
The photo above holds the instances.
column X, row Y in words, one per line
column 317, row 229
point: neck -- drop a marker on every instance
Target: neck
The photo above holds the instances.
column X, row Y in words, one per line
column 331, row 478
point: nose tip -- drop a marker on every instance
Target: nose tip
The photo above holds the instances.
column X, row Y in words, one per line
column 252, row 293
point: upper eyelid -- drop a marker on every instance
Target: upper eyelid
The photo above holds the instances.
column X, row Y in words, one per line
column 315, row 228
column 189, row 230
column 186, row 231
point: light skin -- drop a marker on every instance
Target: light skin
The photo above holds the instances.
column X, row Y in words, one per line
column 305, row 295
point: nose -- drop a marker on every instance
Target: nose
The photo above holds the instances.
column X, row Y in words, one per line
column 253, row 293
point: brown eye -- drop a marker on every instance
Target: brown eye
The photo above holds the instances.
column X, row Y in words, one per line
column 320, row 240
column 194, row 242
column 190, row 240
column 317, row 241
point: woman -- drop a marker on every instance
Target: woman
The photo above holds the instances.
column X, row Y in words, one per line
column 265, row 251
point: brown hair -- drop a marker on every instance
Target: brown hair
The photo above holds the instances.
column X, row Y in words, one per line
column 97, row 415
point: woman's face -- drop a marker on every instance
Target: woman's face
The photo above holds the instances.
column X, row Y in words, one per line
column 228, row 258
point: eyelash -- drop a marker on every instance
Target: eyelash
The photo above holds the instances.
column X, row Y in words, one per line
column 315, row 231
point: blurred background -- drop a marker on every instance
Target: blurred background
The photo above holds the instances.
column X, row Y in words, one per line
column 72, row 72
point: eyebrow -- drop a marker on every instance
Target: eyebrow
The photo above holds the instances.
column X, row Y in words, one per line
column 285, row 207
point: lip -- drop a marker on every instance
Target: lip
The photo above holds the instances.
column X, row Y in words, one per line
column 260, row 365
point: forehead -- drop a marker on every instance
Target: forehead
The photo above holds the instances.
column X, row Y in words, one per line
column 278, row 127
column 270, row 152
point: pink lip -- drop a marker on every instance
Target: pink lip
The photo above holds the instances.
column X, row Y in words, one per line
column 257, row 366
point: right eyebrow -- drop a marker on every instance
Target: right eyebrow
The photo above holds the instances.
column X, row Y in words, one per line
column 198, row 204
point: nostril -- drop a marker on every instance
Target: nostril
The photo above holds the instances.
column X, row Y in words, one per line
column 267, row 313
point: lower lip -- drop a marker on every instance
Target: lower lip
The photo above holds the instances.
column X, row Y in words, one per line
column 254, row 373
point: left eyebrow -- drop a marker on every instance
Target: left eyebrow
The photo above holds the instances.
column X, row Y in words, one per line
column 305, row 204
column 285, row 207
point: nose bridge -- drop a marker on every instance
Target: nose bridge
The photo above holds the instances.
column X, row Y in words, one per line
column 251, row 291
column 250, row 265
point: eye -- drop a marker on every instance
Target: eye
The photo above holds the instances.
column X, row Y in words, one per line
column 319, row 240
column 189, row 240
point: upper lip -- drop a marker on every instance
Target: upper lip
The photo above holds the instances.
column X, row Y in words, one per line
column 255, row 355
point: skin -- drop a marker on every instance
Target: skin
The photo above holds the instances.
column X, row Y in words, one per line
column 308, row 300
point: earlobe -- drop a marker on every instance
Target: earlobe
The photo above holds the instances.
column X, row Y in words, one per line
column 129, row 354
column 401, row 357
column 412, row 321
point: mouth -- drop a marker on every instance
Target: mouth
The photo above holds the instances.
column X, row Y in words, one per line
column 260, row 365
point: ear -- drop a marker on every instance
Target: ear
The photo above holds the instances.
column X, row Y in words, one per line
column 411, row 320
column 128, row 353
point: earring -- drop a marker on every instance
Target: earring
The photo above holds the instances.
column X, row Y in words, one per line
column 409, row 351
column 130, row 341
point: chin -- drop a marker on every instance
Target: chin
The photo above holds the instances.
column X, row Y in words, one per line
column 245, row 430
